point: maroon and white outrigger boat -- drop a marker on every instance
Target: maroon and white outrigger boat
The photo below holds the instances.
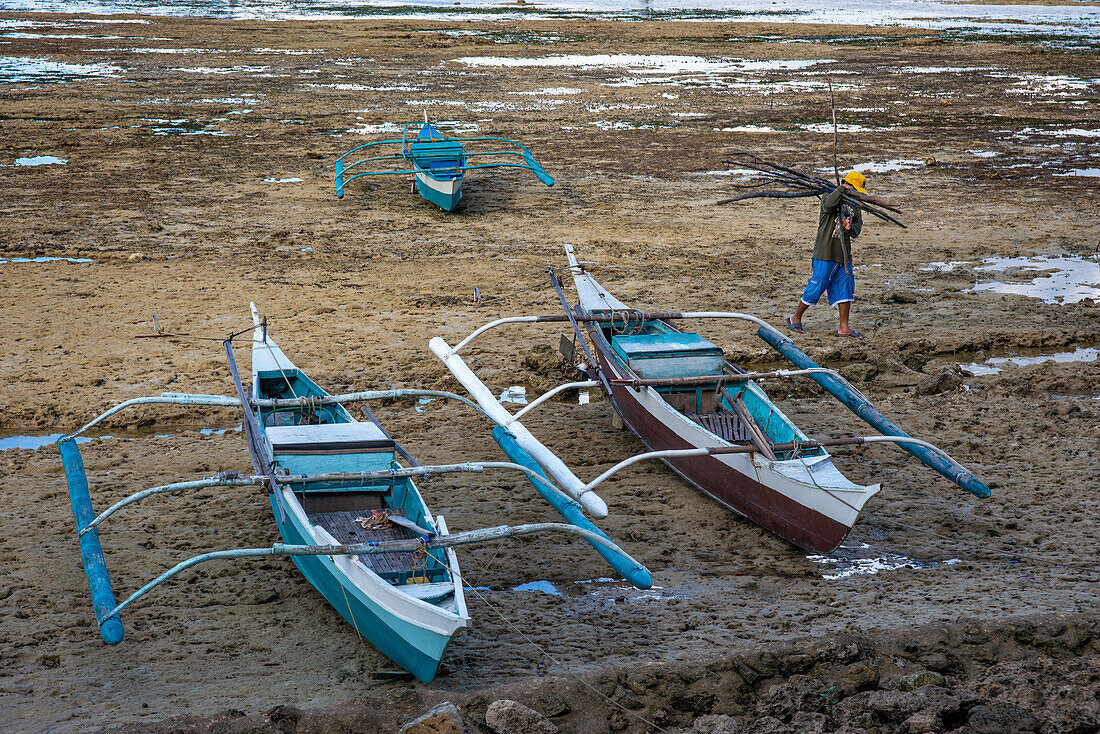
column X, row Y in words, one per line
column 710, row 421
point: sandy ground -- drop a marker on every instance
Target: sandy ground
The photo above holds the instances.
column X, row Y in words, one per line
column 185, row 227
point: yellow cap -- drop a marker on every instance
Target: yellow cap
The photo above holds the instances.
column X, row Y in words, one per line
column 856, row 179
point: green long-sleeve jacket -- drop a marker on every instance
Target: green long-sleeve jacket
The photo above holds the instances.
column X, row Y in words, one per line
column 833, row 243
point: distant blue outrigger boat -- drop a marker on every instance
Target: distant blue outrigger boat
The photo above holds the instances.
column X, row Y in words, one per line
column 437, row 163
column 346, row 507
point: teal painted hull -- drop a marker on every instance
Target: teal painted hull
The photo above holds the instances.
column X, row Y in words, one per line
column 412, row 647
column 446, row 202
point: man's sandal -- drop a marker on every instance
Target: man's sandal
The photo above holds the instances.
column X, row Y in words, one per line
column 795, row 326
column 852, row 335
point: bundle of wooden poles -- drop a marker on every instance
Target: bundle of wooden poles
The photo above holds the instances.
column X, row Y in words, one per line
column 798, row 184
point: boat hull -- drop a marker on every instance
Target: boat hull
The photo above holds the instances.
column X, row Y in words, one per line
column 804, row 516
column 415, row 647
column 444, row 193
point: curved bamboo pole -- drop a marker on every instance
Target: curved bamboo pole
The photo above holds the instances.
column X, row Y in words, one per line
column 469, row 537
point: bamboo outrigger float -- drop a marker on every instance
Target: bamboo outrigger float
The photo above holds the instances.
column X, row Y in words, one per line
column 348, row 512
column 709, row 420
column 437, row 163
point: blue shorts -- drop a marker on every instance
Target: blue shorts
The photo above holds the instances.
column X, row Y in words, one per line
column 834, row 277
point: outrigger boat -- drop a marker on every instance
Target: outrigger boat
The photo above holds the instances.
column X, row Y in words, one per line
column 348, row 511
column 436, row 162
column 711, row 422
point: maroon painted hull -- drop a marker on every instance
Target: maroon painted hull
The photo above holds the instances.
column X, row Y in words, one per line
column 767, row 507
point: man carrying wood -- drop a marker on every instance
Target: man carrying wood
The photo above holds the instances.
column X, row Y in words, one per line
column 838, row 224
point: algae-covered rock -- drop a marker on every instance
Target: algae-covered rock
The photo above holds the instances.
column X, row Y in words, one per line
column 920, row 679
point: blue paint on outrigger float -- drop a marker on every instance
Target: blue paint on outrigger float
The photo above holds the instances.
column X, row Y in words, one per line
column 436, row 162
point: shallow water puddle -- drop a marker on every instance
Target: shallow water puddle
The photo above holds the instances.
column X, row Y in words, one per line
column 625, row 125
column 552, row 91
column 37, row 442
column 385, row 128
column 1084, row 172
column 240, row 68
column 862, row 560
column 283, row 180
column 40, row 160
column 421, row 404
column 747, row 129
column 655, row 68
column 655, row 63
column 182, row 126
column 544, row 586
column 827, row 127
column 994, row 365
column 897, row 164
column 728, row 172
column 24, row 70
column 45, row 259
column 1072, row 279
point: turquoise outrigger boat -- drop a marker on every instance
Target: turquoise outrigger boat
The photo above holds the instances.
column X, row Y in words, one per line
column 346, row 507
column 437, row 163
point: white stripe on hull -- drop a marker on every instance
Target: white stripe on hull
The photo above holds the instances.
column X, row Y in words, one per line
column 447, row 188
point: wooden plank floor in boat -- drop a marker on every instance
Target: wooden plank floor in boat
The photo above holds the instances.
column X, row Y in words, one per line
column 343, row 527
column 725, row 425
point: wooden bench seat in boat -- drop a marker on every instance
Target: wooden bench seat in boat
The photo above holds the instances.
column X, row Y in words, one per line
column 727, row 426
column 342, row 438
column 330, row 447
column 342, row 526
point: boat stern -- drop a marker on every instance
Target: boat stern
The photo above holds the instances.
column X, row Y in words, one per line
column 445, row 193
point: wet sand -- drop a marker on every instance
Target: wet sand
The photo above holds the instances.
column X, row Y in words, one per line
column 184, row 226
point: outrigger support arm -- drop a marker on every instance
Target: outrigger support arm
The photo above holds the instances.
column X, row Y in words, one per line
column 900, row 441
column 168, row 398
column 551, row 393
column 469, row 537
column 926, row 453
column 470, row 467
column 355, row 397
column 221, row 480
column 225, row 401
column 617, row 317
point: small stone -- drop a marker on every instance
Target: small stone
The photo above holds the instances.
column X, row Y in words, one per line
column 512, row 717
column 442, row 719
column 284, row 718
column 930, row 160
column 899, row 297
column 859, row 372
column 265, row 597
column 627, row 698
column 1002, row 718
column 715, row 724
column 921, row 722
column 551, row 704
column 920, row 679
column 136, row 257
column 945, row 381
column 858, row 677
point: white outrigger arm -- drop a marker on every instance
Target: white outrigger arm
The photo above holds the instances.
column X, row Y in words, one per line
column 545, row 458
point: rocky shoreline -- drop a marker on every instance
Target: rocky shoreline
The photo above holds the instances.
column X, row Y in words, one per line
column 1030, row 674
